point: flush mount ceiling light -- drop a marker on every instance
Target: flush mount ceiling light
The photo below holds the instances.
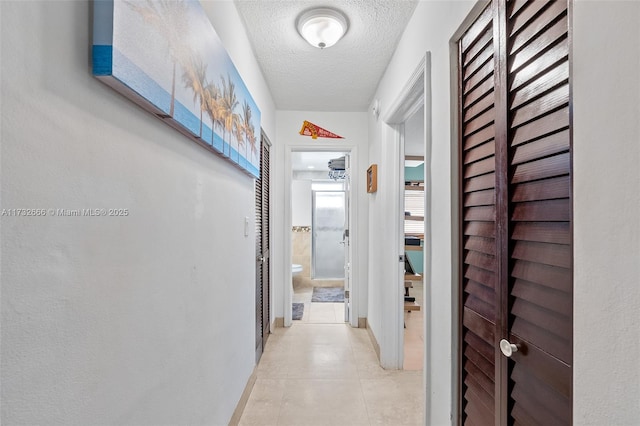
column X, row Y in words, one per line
column 322, row 27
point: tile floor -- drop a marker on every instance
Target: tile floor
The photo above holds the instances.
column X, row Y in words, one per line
column 328, row 374
column 318, row 313
column 333, row 313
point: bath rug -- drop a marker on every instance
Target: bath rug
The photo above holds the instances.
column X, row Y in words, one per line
column 328, row 294
column 298, row 311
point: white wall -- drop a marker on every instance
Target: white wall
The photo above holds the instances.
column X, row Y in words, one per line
column 301, row 202
column 431, row 27
column 116, row 320
column 606, row 113
column 353, row 127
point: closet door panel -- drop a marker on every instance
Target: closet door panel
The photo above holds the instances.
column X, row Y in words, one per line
column 477, row 172
column 540, row 264
column 515, row 217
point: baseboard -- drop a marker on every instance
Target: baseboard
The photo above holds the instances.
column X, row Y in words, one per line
column 244, row 398
column 279, row 322
column 376, row 346
column 362, row 322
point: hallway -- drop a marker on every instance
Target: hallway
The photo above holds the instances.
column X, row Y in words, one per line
column 328, row 374
column 147, row 313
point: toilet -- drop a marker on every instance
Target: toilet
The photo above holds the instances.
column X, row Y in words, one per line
column 295, row 269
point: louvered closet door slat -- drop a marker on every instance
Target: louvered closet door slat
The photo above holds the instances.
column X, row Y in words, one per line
column 475, row 34
column 546, row 17
column 477, row 171
column 540, row 284
column 480, row 139
column 259, row 269
column 481, row 101
column 266, row 232
column 541, row 43
column 550, row 78
column 540, row 64
column 478, row 392
column 554, row 143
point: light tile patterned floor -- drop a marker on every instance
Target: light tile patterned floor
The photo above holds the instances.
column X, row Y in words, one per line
column 319, row 313
column 328, row 374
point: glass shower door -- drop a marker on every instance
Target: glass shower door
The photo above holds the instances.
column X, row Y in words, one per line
column 327, row 246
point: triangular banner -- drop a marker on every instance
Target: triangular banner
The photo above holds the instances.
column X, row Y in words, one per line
column 315, row 131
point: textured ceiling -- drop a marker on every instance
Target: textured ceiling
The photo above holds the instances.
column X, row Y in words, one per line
column 340, row 78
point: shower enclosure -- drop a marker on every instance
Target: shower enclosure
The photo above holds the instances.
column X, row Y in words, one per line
column 328, row 239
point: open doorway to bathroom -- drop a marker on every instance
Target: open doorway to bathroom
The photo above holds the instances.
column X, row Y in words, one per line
column 319, row 236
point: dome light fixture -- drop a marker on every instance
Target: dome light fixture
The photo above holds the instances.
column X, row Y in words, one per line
column 322, row 27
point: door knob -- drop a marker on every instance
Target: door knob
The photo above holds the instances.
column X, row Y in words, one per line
column 507, row 348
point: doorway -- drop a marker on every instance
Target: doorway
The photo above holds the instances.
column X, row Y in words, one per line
column 319, row 243
column 412, row 197
column 414, row 101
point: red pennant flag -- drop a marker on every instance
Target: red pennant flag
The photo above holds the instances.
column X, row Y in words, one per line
column 315, row 131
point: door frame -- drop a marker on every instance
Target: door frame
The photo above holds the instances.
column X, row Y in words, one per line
column 352, row 150
column 415, row 94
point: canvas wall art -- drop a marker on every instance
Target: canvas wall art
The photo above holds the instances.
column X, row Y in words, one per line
column 166, row 56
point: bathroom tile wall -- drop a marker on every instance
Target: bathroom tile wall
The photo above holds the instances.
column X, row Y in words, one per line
column 301, row 255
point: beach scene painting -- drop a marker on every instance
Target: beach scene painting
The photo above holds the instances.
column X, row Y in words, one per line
column 166, row 56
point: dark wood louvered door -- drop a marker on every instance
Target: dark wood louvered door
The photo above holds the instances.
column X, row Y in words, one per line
column 263, row 283
column 478, row 188
column 539, row 158
column 516, row 248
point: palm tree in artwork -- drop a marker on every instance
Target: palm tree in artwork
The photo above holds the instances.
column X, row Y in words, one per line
column 238, row 132
column 195, row 78
column 213, row 106
column 229, row 102
column 169, row 19
column 249, row 131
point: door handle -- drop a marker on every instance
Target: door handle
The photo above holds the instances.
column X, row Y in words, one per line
column 507, row 348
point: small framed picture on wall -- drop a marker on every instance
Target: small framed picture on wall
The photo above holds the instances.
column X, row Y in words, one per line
column 372, row 178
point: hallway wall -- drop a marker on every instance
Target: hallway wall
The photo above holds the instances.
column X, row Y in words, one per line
column 607, row 213
column 353, row 127
column 606, row 205
column 117, row 320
